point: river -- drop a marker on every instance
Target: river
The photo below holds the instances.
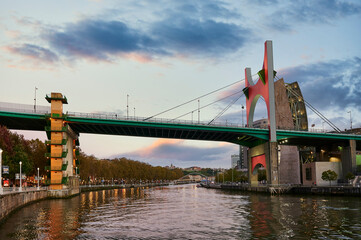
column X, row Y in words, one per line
column 186, row 212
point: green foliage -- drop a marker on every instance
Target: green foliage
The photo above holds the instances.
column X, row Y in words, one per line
column 15, row 150
column 123, row 169
column 31, row 154
column 350, row 176
column 237, row 176
column 329, row 175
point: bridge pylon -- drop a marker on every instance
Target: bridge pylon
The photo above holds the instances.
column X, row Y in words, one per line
column 270, row 154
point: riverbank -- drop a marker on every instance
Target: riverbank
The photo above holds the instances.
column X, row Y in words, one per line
column 289, row 189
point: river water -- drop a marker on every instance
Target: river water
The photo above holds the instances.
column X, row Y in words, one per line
column 186, row 212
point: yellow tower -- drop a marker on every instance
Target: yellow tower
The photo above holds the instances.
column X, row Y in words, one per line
column 62, row 140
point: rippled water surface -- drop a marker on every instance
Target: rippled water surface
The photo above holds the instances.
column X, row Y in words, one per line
column 186, row 212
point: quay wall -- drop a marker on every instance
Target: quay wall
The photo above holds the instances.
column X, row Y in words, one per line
column 12, row 201
column 336, row 190
column 315, row 190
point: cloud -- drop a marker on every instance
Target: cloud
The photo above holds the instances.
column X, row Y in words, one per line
column 203, row 38
column 332, row 87
column 305, row 12
column 333, row 84
column 34, row 52
column 183, row 29
column 176, row 151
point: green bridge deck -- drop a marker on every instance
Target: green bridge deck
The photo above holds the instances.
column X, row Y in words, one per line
column 244, row 136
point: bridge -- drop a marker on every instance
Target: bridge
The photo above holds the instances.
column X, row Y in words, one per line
column 274, row 147
column 110, row 124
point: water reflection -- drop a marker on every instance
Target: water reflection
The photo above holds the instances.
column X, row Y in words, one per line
column 186, row 212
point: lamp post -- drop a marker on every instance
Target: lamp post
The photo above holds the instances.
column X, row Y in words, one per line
column 1, row 179
column 35, row 100
column 350, row 118
column 127, row 106
column 38, row 180
column 242, row 115
column 199, row 111
column 134, row 113
column 20, row 188
column 76, row 171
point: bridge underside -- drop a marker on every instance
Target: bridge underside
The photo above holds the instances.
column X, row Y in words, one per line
column 243, row 136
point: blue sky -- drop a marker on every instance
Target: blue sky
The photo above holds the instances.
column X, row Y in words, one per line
column 163, row 53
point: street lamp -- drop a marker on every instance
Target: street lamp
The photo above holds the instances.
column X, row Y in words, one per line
column 127, row 106
column 76, row 171
column 20, row 188
column 35, row 100
column 350, row 118
column 199, row 111
column 38, row 180
column 1, row 179
column 134, row 113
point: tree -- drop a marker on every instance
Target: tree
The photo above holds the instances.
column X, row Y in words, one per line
column 329, row 175
column 350, row 176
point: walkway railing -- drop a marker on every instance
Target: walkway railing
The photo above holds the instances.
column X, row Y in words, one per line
column 10, row 190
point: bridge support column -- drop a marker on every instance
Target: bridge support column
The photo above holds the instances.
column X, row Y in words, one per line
column 273, row 163
column 348, row 158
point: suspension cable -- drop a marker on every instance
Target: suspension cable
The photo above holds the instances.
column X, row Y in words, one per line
column 225, row 109
column 318, row 113
column 194, row 99
column 207, row 105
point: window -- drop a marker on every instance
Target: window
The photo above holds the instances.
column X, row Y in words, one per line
column 308, row 173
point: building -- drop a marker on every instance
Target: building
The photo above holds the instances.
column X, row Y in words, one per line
column 243, row 156
column 234, row 161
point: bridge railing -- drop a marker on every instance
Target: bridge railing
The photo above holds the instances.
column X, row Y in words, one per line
column 38, row 109
column 24, row 108
column 115, row 116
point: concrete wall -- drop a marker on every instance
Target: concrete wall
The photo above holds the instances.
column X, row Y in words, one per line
column 12, row 201
column 289, row 165
column 317, row 169
column 324, row 166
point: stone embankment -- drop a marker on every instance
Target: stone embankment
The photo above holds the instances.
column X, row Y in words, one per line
column 289, row 189
column 12, row 201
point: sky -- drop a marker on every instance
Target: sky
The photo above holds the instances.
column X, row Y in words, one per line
column 163, row 53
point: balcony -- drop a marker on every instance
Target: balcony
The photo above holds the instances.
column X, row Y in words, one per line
column 62, row 142
column 64, row 180
column 57, row 155
column 56, row 129
column 61, row 168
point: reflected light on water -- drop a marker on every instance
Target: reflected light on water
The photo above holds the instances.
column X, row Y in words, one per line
column 185, row 212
